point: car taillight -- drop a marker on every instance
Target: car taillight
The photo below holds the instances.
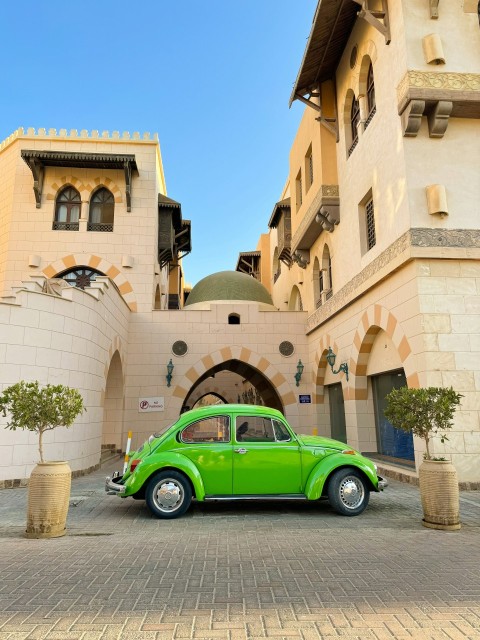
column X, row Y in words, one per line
column 134, row 465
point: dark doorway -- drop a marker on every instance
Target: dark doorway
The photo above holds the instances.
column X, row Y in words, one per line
column 338, row 427
column 391, row 442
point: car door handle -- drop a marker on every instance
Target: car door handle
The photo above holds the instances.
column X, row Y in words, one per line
column 241, row 451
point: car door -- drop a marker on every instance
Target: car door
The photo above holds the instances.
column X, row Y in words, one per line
column 266, row 457
column 207, row 444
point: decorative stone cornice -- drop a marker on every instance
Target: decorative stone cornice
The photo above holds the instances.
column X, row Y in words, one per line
column 414, row 238
column 438, row 95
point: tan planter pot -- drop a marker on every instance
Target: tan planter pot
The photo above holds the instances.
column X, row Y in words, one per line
column 48, row 500
column 440, row 495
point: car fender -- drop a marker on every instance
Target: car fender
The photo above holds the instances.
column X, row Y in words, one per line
column 171, row 460
column 320, row 473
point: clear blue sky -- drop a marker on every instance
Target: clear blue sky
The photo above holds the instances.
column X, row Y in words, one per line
column 213, row 78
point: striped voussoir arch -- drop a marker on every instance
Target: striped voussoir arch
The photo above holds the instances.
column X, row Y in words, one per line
column 245, row 361
column 85, row 189
column 375, row 319
column 98, row 263
column 321, row 365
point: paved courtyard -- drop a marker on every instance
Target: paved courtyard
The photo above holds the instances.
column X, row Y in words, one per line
column 239, row 571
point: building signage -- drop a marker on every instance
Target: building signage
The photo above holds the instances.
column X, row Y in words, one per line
column 305, row 399
column 151, row 404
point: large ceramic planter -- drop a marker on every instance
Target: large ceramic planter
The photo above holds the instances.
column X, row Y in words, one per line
column 439, row 494
column 48, row 500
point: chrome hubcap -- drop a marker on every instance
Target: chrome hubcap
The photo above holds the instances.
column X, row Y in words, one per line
column 168, row 495
column 352, row 492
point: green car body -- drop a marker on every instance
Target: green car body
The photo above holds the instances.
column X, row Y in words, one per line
column 228, row 452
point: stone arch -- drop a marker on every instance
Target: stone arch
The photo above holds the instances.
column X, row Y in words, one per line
column 100, row 264
column 113, row 397
column 86, row 189
column 321, row 365
column 245, row 357
column 373, row 320
column 295, row 302
column 362, row 79
column 316, row 283
column 214, row 392
column 347, row 106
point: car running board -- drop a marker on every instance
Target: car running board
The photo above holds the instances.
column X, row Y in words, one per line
column 266, row 496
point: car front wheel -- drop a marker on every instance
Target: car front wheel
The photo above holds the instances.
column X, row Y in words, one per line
column 168, row 494
column 348, row 492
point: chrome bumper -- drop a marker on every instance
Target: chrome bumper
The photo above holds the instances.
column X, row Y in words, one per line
column 111, row 485
column 382, row 483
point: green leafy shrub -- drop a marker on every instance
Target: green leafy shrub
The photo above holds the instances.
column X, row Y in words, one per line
column 424, row 412
column 34, row 408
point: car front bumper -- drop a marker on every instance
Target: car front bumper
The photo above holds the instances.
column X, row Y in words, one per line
column 382, row 483
column 112, row 486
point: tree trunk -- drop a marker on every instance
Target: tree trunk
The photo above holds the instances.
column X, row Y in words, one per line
column 40, row 444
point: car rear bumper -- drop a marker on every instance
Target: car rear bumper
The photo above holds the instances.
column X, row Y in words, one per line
column 382, row 483
column 112, row 486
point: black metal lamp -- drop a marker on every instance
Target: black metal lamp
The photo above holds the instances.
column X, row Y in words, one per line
column 170, row 367
column 331, row 357
column 298, row 375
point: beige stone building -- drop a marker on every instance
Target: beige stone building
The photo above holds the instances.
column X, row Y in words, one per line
column 372, row 250
column 376, row 233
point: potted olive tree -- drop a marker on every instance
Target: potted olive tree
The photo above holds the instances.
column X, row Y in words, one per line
column 40, row 409
column 428, row 413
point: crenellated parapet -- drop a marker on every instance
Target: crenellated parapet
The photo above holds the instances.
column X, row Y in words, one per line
column 83, row 134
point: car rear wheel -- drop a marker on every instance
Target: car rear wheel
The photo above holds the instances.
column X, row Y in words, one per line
column 168, row 494
column 348, row 492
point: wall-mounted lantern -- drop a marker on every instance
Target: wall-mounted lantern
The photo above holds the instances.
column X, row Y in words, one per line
column 298, row 375
column 331, row 357
column 170, row 367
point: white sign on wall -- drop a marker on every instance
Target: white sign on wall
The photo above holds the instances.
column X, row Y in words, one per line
column 151, row 404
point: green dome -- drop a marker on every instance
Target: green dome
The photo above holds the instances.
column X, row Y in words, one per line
column 229, row 285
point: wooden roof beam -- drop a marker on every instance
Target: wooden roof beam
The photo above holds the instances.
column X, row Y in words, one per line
column 375, row 18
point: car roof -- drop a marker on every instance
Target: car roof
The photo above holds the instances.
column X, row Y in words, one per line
column 221, row 409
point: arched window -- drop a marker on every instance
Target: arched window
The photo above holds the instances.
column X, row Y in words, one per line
column 371, row 106
column 327, row 285
column 67, row 210
column 101, row 212
column 354, row 120
column 80, row 277
column 295, row 303
column 234, row 318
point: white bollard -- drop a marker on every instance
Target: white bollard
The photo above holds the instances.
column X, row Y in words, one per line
column 127, row 451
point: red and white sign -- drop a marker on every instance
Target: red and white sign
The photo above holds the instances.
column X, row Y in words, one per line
column 151, row 404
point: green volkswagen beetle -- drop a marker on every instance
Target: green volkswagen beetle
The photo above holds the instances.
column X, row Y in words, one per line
column 243, row 452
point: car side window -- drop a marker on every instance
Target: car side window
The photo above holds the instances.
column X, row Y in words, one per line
column 281, row 432
column 254, row 429
column 215, row 429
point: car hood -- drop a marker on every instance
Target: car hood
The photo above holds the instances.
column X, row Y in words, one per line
column 320, row 441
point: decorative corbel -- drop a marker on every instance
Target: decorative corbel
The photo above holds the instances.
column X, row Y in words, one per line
column 375, row 17
column 438, row 118
column 412, row 117
column 328, row 216
column 302, row 258
column 434, row 9
column 38, row 171
column 128, row 184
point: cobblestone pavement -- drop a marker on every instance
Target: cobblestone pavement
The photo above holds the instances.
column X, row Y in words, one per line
column 239, row 571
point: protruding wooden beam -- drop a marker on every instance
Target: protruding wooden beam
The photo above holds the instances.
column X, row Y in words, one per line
column 378, row 19
column 434, row 9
